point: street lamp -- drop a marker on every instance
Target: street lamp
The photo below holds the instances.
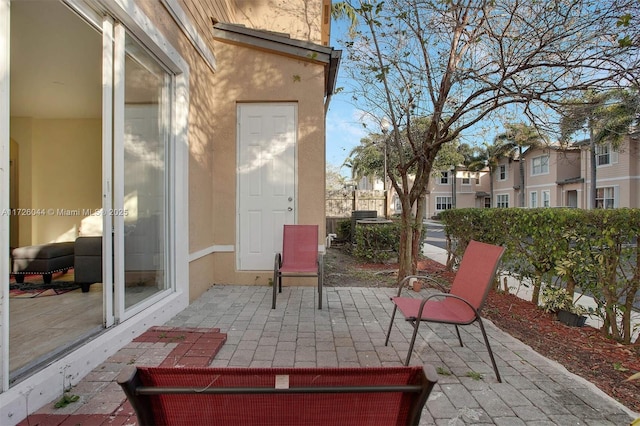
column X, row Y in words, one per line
column 385, row 125
column 453, row 186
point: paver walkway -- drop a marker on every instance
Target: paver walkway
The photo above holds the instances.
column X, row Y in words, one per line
column 350, row 331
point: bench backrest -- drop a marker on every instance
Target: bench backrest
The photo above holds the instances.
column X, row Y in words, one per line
column 278, row 396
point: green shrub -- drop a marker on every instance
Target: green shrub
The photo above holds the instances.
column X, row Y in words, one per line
column 344, row 230
column 377, row 243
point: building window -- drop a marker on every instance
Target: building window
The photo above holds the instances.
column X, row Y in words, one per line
column 444, row 178
column 540, row 165
column 502, row 200
column 533, row 199
column 487, row 202
column 546, row 199
column 502, row 172
column 603, row 155
column 605, row 198
column 443, row 203
column 477, row 178
column 466, row 178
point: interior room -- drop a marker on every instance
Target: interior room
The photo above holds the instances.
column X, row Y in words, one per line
column 56, row 173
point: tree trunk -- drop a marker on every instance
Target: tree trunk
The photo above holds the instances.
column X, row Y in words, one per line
column 416, row 247
column 405, row 257
column 521, row 164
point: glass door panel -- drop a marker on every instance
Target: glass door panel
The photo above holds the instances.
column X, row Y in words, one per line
column 146, row 132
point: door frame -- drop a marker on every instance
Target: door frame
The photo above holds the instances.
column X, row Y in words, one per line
column 290, row 219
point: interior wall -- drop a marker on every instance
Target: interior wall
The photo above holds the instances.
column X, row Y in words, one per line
column 60, row 172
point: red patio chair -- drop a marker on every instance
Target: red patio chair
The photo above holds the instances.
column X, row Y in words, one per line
column 331, row 396
column 299, row 258
column 462, row 304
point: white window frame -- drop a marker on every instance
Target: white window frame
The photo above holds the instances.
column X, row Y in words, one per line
column 444, row 178
column 605, row 155
column 446, row 200
column 533, row 199
column 540, row 165
column 502, row 171
column 502, row 200
column 608, row 196
column 546, row 198
column 466, row 178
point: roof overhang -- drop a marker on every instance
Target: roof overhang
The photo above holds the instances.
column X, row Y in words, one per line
column 282, row 44
column 570, row 181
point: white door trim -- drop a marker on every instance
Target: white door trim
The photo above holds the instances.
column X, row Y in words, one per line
column 255, row 252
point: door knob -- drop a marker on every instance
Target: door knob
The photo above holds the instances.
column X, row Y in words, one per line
column 290, row 209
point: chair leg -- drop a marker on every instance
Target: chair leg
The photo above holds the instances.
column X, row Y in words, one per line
column 393, row 315
column 275, row 290
column 415, row 324
column 458, row 333
column 320, row 279
column 486, row 342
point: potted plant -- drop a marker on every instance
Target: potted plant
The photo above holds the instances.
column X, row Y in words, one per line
column 557, row 300
column 574, row 317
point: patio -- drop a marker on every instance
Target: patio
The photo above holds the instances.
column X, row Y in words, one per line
column 350, row 331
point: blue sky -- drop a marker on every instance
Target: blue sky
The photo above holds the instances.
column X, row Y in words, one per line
column 344, row 127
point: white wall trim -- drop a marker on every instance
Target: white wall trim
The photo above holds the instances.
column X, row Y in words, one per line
column 190, row 31
column 210, row 250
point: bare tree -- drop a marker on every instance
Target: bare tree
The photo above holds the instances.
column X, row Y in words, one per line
column 462, row 62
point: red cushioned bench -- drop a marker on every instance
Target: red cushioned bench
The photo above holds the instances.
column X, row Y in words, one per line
column 278, row 396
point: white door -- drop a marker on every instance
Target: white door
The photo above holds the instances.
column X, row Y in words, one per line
column 266, row 181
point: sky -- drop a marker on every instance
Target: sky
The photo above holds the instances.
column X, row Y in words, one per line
column 344, row 125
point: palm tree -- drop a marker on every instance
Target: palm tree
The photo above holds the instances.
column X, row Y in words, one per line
column 517, row 137
column 490, row 156
column 608, row 117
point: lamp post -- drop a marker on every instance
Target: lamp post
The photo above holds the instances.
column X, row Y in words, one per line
column 453, row 187
column 385, row 125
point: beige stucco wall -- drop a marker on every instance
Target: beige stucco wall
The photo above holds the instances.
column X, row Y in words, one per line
column 248, row 75
column 242, row 75
column 60, row 172
column 301, row 19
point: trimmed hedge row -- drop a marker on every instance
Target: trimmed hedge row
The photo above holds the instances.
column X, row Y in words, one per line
column 595, row 250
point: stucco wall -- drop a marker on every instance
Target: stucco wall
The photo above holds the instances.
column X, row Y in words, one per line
column 242, row 75
column 248, row 75
column 301, row 19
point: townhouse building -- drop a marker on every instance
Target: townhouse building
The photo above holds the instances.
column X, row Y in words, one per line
column 554, row 176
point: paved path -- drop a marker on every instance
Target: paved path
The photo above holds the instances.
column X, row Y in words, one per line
column 350, row 331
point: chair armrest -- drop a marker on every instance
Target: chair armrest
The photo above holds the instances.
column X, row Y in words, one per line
column 430, row 282
column 446, row 295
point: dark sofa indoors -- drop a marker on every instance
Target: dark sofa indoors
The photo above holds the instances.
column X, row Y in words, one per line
column 88, row 261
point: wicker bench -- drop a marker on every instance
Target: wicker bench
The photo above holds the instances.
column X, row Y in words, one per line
column 42, row 259
column 278, row 396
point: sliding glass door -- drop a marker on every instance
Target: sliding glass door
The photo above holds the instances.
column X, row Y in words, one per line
column 142, row 128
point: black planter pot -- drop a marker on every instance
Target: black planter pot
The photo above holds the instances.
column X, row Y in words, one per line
column 571, row 319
